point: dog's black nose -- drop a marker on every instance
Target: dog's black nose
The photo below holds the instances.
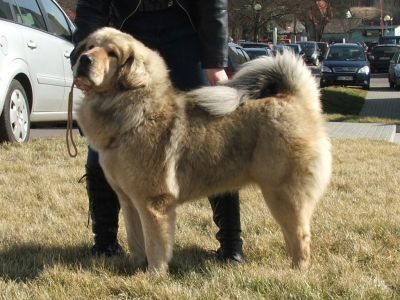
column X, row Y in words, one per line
column 84, row 63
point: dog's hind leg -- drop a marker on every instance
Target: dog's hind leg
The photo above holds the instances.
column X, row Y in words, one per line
column 158, row 215
column 292, row 209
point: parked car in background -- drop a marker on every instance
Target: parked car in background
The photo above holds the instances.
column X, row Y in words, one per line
column 280, row 48
column 296, row 48
column 389, row 39
column 35, row 72
column 236, row 57
column 394, row 71
column 311, row 52
column 380, row 57
column 257, row 52
column 323, row 49
column 245, row 44
column 345, row 64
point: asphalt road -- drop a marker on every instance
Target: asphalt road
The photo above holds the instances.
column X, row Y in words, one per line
column 379, row 83
column 47, row 131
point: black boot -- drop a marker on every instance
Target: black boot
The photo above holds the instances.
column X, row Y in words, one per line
column 226, row 215
column 104, row 209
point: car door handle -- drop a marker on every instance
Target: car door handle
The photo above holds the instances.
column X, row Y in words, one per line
column 67, row 54
column 32, row 45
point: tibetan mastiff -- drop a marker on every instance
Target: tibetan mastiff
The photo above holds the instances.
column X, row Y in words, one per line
column 160, row 147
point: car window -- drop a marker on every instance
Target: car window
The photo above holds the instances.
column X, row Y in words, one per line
column 295, row 48
column 308, row 48
column 30, row 14
column 57, row 20
column 254, row 53
column 346, row 53
column 5, row 10
column 384, row 51
column 237, row 56
column 243, row 54
column 396, row 57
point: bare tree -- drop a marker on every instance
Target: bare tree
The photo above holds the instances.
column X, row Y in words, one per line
column 251, row 16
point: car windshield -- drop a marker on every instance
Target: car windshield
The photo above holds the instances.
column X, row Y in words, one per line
column 281, row 48
column 308, row 48
column 254, row 53
column 346, row 54
column 384, row 51
column 295, row 48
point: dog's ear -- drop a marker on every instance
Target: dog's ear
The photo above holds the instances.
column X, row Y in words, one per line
column 77, row 52
column 133, row 73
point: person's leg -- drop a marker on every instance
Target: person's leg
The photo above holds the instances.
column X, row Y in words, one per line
column 104, row 208
column 226, row 215
column 186, row 73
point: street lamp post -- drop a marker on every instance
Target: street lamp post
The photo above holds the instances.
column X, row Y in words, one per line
column 387, row 18
column 257, row 8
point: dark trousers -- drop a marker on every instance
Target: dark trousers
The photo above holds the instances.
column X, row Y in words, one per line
column 171, row 34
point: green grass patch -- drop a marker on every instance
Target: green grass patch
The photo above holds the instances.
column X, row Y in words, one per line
column 342, row 101
column 343, row 104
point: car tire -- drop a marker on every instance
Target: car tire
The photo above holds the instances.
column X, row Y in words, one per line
column 366, row 87
column 392, row 85
column 14, row 120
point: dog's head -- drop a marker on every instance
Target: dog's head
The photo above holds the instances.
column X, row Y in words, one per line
column 109, row 59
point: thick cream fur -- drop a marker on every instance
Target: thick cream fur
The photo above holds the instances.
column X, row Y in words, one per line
column 160, row 147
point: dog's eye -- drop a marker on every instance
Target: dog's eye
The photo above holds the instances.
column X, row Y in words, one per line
column 90, row 47
column 112, row 53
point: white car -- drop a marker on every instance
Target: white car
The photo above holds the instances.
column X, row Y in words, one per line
column 35, row 72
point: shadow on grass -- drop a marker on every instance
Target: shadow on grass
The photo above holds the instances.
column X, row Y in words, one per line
column 26, row 262
column 342, row 101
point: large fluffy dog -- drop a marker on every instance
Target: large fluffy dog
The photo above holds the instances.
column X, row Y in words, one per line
column 160, row 147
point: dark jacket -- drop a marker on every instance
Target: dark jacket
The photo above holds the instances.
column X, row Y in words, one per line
column 208, row 17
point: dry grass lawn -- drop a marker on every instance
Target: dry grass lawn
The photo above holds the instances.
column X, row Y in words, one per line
column 45, row 241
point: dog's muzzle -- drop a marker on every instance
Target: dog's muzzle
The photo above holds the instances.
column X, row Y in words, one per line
column 85, row 61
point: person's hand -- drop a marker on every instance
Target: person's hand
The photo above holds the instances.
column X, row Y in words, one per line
column 216, row 75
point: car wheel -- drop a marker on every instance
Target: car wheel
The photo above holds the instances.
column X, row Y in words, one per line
column 366, row 87
column 14, row 120
column 392, row 85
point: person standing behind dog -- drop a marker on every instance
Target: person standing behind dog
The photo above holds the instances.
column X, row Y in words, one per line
column 192, row 38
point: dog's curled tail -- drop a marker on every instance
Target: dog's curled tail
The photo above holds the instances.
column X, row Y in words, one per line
column 269, row 76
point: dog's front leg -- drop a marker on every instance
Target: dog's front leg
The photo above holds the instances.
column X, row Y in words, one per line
column 158, row 216
column 133, row 227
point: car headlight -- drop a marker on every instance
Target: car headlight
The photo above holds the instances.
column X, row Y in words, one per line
column 364, row 70
column 397, row 70
column 325, row 69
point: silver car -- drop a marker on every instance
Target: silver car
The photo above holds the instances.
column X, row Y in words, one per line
column 394, row 71
column 35, row 72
